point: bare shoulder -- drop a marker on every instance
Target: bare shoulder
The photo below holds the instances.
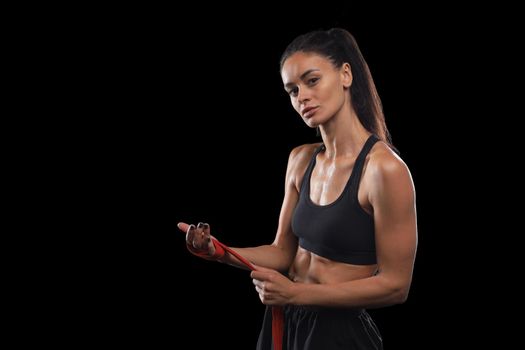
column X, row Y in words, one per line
column 303, row 153
column 386, row 167
column 298, row 161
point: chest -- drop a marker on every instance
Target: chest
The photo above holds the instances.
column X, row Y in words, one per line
column 330, row 180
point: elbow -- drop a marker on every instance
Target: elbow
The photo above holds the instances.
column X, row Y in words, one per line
column 395, row 289
column 284, row 259
column 400, row 295
column 401, row 298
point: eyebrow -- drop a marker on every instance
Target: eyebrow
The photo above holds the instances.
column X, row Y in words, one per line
column 302, row 76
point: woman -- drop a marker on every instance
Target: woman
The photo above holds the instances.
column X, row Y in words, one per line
column 347, row 234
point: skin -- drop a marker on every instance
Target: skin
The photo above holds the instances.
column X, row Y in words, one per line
column 386, row 192
column 200, row 238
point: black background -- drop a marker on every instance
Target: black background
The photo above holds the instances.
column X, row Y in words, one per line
column 191, row 124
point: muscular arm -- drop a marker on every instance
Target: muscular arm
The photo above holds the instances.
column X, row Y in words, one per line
column 280, row 254
column 393, row 200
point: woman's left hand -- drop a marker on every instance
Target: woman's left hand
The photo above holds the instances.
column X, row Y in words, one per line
column 272, row 286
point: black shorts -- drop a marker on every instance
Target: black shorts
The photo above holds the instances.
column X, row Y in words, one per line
column 314, row 328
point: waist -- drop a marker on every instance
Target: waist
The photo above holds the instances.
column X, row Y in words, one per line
column 322, row 310
column 338, row 254
column 308, row 267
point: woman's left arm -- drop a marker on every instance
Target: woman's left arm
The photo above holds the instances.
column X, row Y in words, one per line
column 392, row 197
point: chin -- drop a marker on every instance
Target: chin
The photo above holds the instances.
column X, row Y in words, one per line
column 315, row 121
column 312, row 123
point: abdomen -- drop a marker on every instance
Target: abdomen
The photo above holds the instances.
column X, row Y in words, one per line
column 311, row 268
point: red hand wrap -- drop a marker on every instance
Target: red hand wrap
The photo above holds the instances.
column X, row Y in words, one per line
column 219, row 251
column 277, row 311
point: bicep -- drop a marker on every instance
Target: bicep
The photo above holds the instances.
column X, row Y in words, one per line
column 285, row 239
column 393, row 199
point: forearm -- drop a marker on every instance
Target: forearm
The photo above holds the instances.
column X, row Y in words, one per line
column 269, row 256
column 371, row 292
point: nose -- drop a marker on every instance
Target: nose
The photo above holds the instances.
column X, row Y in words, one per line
column 303, row 96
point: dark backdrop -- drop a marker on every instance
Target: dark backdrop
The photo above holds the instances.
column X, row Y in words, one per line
column 197, row 128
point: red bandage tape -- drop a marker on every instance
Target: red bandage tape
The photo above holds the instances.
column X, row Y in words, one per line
column 277, row 311
column 219, row 251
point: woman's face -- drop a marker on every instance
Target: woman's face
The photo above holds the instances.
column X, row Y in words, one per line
column 316, row 88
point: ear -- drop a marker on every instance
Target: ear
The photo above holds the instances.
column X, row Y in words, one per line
column 346, row 75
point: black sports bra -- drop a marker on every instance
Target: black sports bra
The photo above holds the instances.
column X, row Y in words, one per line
column 342, row 230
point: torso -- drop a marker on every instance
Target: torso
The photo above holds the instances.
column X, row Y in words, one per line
column 311, row 268
column 327, row 183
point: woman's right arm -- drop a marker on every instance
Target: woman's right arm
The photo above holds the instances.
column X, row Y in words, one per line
column 280, row 254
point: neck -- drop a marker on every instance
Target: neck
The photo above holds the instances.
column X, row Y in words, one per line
column 343, row 135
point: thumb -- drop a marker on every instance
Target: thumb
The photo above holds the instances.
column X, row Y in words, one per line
column 262, row 269
column 183, row 226
column 261, row 273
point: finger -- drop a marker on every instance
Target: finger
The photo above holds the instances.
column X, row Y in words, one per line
column 206, row 232
column 263, row 269
column 199, row 240
column 259, row 275
column 183, row 227
column 200, row 230
column 190, row 234
column 206, row 229
column 211, row 246
column 258, row 283
column 200, row 226
column 207, row 237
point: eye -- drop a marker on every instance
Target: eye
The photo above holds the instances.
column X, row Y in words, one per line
column 312, row 81
column 293, row 92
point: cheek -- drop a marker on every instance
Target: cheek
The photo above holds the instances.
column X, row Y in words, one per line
column 295, row 105
column 336, row 99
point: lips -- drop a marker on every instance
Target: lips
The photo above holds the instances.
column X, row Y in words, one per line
column 309, row 111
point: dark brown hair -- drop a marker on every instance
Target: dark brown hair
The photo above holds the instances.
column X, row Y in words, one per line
column 339, row 46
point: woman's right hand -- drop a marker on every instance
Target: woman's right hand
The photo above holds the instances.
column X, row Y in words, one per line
column 198, row 239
